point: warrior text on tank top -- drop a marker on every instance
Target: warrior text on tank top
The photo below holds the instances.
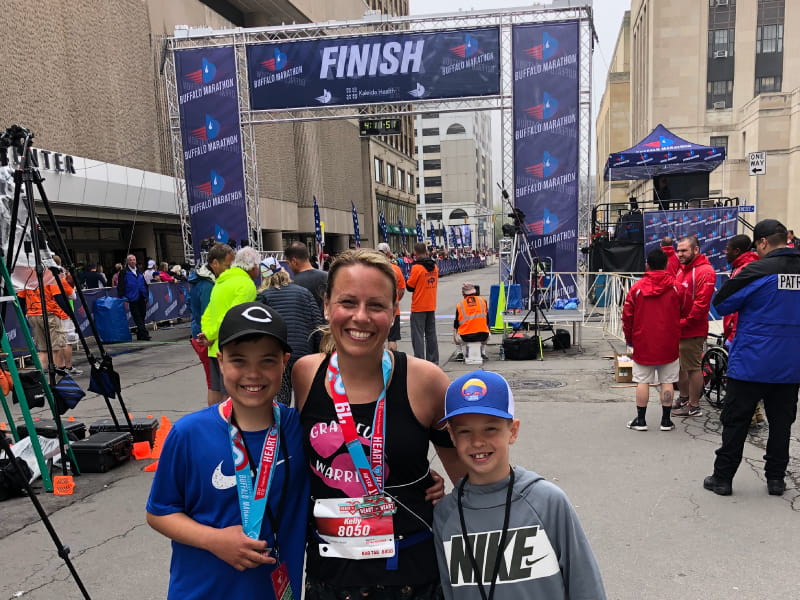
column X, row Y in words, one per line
column 333, row 476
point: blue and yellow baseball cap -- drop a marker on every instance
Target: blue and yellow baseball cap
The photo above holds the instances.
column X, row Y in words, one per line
column 479, row 392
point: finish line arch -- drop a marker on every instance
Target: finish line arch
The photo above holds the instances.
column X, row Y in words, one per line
column 218, row 91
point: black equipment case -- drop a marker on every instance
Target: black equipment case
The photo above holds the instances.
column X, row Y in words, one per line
column 144, row 430
column 47, row 428
column 521, row 347
column 561, row 340
column 103, row 451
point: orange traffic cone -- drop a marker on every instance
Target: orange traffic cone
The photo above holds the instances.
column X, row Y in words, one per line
column 63, row 485
column 161, row 435
column 151, row 467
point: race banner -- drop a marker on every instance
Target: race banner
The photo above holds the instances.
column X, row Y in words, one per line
column 712, row 226
column 546, row 82
column 212, row 148
column 396, row 67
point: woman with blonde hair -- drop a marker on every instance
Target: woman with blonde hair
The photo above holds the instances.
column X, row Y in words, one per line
column 391, row 403
column 299, row 309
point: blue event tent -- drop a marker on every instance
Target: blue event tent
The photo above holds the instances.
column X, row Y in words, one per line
column 662, row 153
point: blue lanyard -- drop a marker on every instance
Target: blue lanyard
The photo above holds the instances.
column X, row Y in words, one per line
column 253, row 499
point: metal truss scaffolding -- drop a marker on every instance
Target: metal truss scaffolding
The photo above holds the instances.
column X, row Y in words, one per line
column 504, row 19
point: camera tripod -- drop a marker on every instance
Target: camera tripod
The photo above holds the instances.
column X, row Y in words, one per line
column 523, row 254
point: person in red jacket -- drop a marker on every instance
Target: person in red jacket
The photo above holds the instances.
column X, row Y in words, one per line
column 738, row 254
column 695, row 281
column 651, row 323
column 673, row 264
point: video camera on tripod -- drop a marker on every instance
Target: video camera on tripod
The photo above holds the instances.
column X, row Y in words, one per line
column 15, row 138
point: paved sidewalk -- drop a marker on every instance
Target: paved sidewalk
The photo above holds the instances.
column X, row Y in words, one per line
column 657, row 534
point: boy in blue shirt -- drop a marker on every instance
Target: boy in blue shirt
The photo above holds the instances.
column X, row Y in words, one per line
column 504, row 532
column 231, row 489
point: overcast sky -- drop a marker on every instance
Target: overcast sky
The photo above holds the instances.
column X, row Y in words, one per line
column 607, row 19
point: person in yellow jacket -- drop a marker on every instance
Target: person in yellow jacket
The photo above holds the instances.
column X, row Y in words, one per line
column 472, row 320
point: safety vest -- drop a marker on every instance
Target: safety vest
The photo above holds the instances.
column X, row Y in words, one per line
column 472, row 314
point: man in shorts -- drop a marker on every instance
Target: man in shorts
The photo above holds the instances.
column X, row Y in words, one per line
column 651, row 323
column 33, row 311
column 695, row 280
column 394, row 332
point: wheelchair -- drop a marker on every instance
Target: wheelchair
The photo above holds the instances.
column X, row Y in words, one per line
column 714, row 367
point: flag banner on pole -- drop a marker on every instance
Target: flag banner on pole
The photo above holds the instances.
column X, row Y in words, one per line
column 318, row 232
column 382, row 227
column 402, row 231
column 443, row 233
column 212, row 149
column 420, row 235
column 546, row 63
column 432, row 234
column 453, row 239
column 466, row 233
column 356, row 232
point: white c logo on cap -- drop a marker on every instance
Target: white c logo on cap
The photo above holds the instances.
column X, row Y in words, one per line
column 263, row 317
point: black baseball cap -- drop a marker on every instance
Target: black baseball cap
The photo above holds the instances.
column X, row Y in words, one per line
column 766, row 228
column 253, row 318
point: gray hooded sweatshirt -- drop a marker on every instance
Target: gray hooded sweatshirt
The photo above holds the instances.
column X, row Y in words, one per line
column 546, row 556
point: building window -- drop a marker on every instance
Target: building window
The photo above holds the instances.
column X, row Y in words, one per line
column 434, row 163
column 434, row 216
column 458, row 213
column 769, row 39
column 378, row 170
column 720, row 43
column 435, row 198
column 410, row 183
column 719, row 94
column 455, row 129
column 401, row 180
column 433, row 182
column 719, row 140
column 430, row 131
column 390, row 175
column 431, row 149
column 768, row 84
column 430, row 115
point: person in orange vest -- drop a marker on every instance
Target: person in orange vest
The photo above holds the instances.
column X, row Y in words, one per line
column 472, row 320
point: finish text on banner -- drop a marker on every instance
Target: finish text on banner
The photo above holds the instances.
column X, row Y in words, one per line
column 212, row 148
column 374, row 68
column 546, row 64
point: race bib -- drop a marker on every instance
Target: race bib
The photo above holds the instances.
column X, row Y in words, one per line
column 347, row 534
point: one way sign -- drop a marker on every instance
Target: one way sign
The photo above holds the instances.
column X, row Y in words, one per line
column 757, row 163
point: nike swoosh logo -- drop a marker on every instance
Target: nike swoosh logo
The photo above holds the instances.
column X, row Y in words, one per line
column 224, row 482
column 530, row 563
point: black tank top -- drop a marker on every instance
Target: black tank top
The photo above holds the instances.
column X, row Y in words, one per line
column 332, row 476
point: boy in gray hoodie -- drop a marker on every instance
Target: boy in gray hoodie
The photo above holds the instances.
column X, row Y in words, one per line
column 504, row 532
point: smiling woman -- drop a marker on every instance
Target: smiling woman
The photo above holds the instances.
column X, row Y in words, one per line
column 391, row 404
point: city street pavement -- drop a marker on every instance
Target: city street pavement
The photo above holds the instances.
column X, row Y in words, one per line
column 656, row 532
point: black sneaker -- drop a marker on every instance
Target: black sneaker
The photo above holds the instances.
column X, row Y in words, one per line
column 459, row 357
column 776, row 487
column 667, row 425
column 636, row 425
column 717, row 485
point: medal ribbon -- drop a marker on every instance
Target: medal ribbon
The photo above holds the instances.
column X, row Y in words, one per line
column 253, row 501
column 371, row 472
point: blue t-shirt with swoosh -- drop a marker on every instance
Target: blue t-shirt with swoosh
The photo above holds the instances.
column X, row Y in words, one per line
column 195, row 477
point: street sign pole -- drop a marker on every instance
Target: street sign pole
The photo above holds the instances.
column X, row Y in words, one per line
column 757, row 166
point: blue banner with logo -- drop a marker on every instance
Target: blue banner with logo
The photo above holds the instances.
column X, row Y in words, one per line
column 374, row 69
column 712, row 226
column 212, row 148
column 546, row 83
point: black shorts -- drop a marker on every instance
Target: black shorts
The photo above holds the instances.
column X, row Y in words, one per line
column 481, row 336
column 394, row 332
column 217, row 384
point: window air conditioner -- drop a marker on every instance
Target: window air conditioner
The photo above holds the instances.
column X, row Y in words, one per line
column 718, row 104
column 721, row 54
column 722, row 2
